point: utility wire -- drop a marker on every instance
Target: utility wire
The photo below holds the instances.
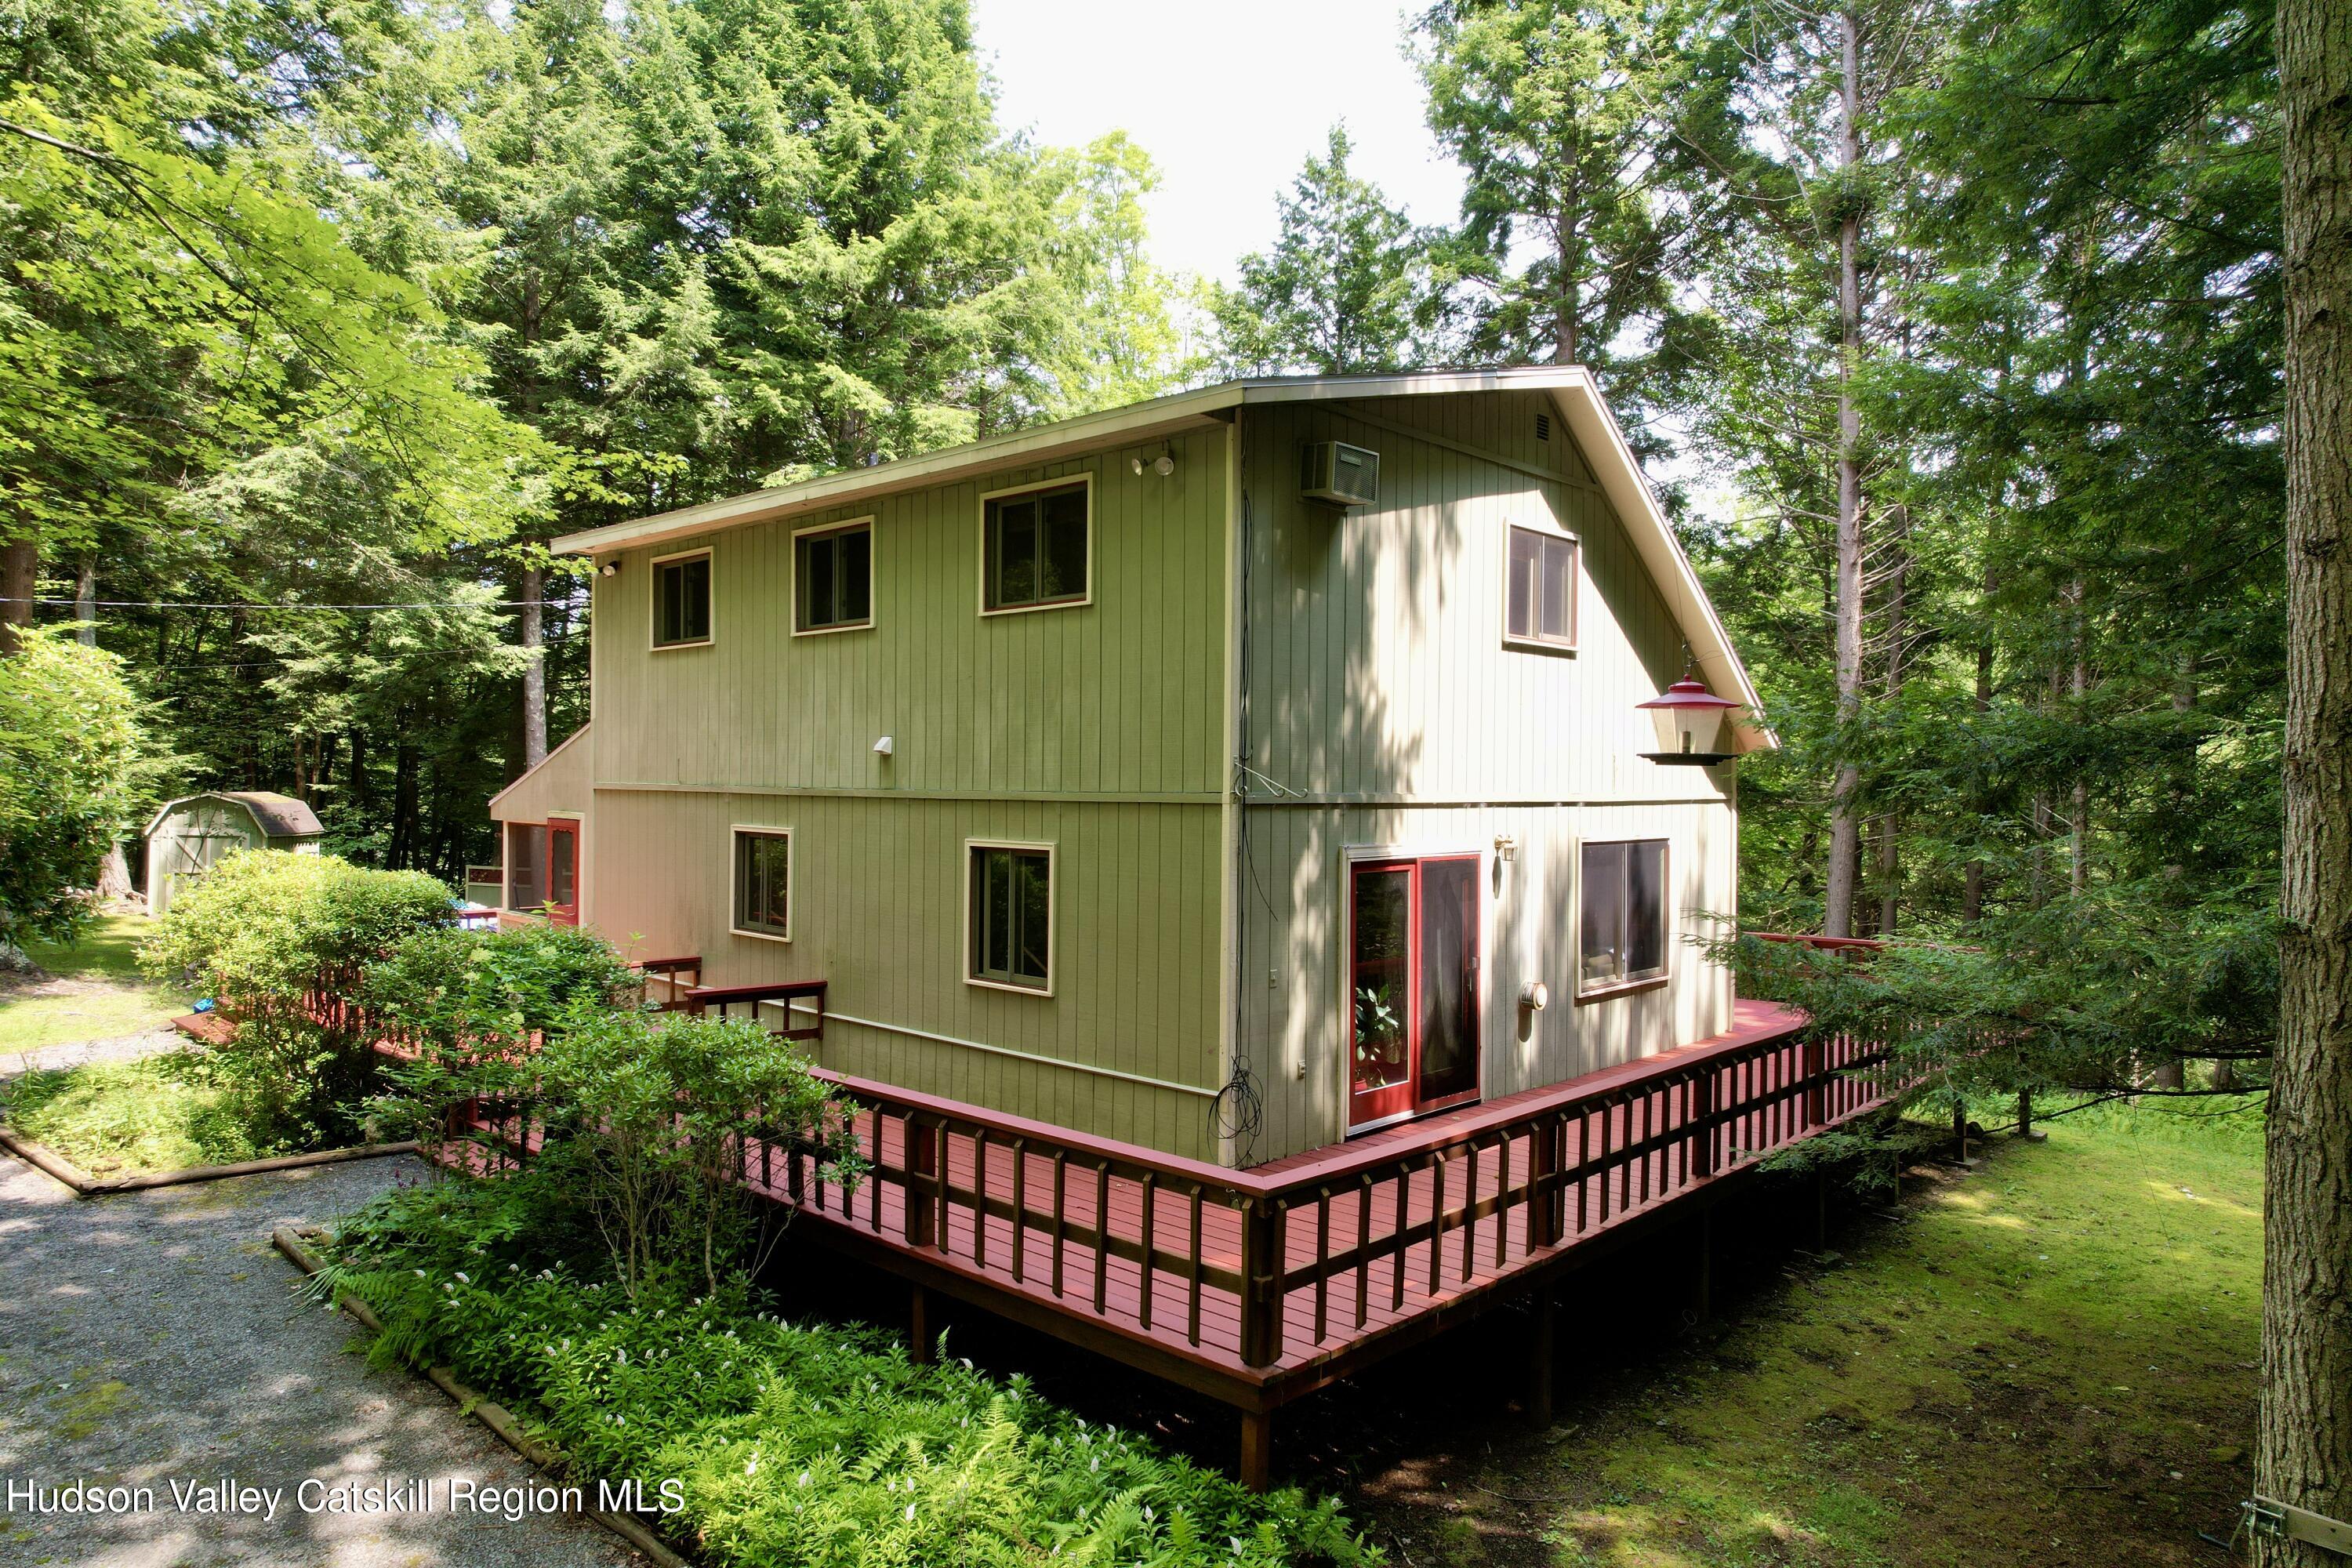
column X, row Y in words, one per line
column 258, row 604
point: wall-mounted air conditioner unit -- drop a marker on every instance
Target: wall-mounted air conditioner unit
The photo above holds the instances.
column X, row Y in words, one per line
column 1340, row 474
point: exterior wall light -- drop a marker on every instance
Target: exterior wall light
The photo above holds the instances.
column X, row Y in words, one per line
column 1506, row 846
column 1693, row 725
column 1535, row 995
column 609, row 569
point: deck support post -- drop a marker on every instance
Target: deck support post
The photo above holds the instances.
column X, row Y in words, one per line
column 918, row 1325
column 1257, row 1449
column 1262, row 1267
column 1539, row 1362
column 1960, row 1132
column 1820, row 1207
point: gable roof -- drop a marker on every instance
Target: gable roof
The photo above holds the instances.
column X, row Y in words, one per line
column 277, row 815
column 1572, row 390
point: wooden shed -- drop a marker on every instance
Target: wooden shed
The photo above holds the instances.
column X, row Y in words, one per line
column 192, row 834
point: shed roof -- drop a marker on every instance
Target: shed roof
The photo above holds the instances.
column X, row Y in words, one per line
column 277, row 815
column 1571, row 387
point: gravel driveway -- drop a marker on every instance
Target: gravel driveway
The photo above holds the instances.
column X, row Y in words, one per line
column 153, row 1337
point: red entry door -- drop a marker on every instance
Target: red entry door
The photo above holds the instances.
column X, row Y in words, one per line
column 563, row 873
column 1412, row 987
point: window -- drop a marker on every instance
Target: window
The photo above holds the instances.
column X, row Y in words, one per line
column 1033, row 549
column 682, row 600
column 1012, row 934
column 1542, row 589
column 763, row 882
column 1623, row 939
column 833, row 576
column 526, row 864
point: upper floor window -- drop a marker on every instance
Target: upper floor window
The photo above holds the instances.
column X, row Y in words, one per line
column 1540, row 602
column 833, row 575
column 1623, row 942
column 1035, row 546
column 1012, row 921
column 763, row 882
column 682, row 600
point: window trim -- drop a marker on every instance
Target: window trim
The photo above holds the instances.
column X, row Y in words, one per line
column 1605, row 990
column 1053, row 915
column 735, row 832
column 1575, row 589
column 507, row 905
column 653, row 601
column 1065, row 482
column 793, row 575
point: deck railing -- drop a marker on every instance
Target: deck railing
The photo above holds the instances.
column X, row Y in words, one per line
column 1322, row 1249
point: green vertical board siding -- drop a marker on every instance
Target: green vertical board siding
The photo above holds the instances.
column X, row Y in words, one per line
column 1382, row 693
column 1095, row 728
column 1119, row 696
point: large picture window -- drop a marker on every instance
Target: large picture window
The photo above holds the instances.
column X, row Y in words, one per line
column 1623, row 941
column 1012, row 934
column 833, row 572
column 763, row 882
column 1541, row 593
column 1035, row 546
column 682, row 600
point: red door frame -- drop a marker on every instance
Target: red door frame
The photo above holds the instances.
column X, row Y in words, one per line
column 1401, row 1101
column 563, row 848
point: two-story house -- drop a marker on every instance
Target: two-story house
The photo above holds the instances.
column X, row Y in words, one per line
column 1226, row 774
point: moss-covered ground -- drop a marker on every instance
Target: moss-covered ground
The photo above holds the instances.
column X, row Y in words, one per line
column 93, row 991
column 2049, row 1359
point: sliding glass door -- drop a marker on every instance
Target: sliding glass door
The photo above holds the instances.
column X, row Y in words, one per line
column 1412, row 987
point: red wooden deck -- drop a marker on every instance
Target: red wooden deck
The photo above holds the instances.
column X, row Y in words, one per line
column 1258, row 1286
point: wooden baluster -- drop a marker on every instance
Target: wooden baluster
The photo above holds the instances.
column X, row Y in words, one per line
column 1061, row 1221
column 1583, row 1167
column 1262, row 1261
column 1322, row 1255
column 980, row 1198
column 1102, row 1232
column 1436, row 1217
column 1193, row 1308
column 1640, row 1139
column 919, row 1150
column 1816, row 1067
column 1469, row 1212
column 1705, row 1120
column 1503, row 1199
column 1151, row 1237
column 1403, row 1211
column 1020, row 1203
column 874, row 1209
column 1364, row 1242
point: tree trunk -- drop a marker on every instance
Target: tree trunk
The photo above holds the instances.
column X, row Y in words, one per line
column 2303, row 1453
column 20, row 574
column 1972, row 889
column 2078, row 823
column 1845, row 829
column 86, row 603
column 529, row 630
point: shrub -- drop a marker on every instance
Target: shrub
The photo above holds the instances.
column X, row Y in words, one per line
column 796, row 1444
column 261, row 932
column 472, row 1005
column 73, row 769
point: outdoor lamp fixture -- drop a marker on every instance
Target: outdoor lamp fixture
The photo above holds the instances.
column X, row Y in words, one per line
column 1534, row 996
column 1163, row 464
column 609, row 569
column 1693, row 725
column 1506, row 846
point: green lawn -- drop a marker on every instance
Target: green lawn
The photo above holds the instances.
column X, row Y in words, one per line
column 118, row 1118
column 2048, row 1360
column 96, row 994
